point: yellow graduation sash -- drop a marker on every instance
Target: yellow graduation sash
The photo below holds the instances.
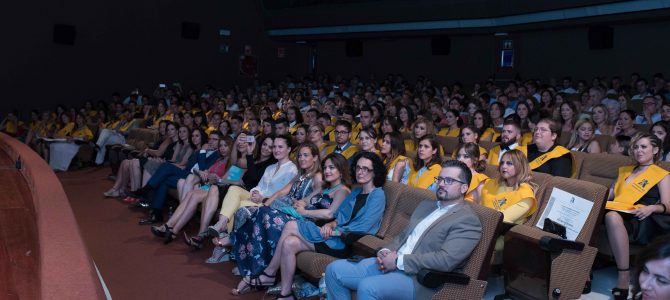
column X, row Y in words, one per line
column 66, row 130
column 495, row 152
column 451, row 133
column 126, row 126
column 526, row 139
column 409, row 145
column 347, row 153
column 558, row 151
column 474, row 183
column 627, row 194
column 83, row 133
column 426, row 179
column 500, row 201
column 330, row 132
column 395, row 161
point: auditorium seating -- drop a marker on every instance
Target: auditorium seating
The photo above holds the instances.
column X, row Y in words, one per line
column 448, row 143
column 541, row 265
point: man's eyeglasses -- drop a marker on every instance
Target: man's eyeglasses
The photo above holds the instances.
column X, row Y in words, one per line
column 447, row 180
column 341, row 132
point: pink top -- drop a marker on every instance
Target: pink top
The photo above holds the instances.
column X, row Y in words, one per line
column 219, row 167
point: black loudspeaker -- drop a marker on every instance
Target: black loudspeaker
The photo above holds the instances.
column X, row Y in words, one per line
column 190, row 30
column 64, row 34
column 354, row 48
column 440, row 45
column 601, row 37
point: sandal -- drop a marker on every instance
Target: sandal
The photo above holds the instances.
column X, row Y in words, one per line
column 160, row 231
column 254, row 283
column 169, row 235
column 619, row 293
column 286, row 296
column 210, row 232
column 195, row 241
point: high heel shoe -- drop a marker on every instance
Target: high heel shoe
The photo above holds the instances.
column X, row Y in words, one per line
column 196, row 242
column 112, row 193
column 155, row 217
column 619, row 293
column 255, row 283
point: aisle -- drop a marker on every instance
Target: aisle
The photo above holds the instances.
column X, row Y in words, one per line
column 133, row 263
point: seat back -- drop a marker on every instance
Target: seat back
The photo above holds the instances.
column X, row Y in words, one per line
column 541, row 181
column 590, row 191
column 407, row 199
column 392, row 191
column 665, row 165
column 564, row 139
column 477, row 265
column 602, row 168
column 578, row 158
column 448, row 143
column 605, row 141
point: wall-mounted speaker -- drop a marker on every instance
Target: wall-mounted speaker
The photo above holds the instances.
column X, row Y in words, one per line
column 440, row 45
column 601, row 37
column 354, row 48
column 64, row 34
column 190, row 30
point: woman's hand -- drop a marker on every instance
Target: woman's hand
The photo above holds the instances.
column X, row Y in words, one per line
column 644, row 212
column 326, row 231
column 256, row 197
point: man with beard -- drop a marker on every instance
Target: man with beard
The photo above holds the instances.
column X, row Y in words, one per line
column 440, row 236
column 511, row 133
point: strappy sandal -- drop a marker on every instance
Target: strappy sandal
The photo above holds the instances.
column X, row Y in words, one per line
column 619, row 293
column 196, row 241
column 255, row 284
column 169, row 235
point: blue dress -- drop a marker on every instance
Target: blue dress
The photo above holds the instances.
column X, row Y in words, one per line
column 255, row 238
column 367, row 220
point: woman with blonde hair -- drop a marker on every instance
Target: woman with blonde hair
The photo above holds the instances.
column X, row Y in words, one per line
column 601, row 119
column 512, row 193
column 583, row 137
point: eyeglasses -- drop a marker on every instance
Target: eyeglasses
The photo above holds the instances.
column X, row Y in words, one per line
column 447, row 180
column 341, row 132
column 364, row 170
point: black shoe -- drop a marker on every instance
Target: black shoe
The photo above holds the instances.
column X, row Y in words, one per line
column 154, row 218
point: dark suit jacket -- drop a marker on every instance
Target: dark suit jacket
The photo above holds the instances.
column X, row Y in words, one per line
column 444, row 246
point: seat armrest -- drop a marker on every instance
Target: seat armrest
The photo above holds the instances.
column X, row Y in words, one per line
column 350, row 238
column 552, row 244
column 433, row 279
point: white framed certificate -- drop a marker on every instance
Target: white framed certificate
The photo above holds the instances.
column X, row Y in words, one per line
column 568, row 210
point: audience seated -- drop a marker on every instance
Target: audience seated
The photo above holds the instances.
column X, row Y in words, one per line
column 393, row 120
column 440, row 236
column 360, row 212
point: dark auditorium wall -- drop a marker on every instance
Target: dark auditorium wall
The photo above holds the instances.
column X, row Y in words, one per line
column 123, row 44
column 638, row 47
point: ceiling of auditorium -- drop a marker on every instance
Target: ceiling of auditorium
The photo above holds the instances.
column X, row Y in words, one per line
column 311, row 13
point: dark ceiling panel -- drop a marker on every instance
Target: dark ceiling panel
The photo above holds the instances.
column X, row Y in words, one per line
column 312, row 13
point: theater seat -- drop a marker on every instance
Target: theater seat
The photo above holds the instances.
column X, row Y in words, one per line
column 602, row 168
column 471, row 283
column 448, row 143
column 542, row 265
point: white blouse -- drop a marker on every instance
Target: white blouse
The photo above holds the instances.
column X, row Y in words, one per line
column 273, row 180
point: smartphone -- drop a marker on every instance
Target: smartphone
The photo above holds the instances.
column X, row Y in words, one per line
column 250, row 139
column 162, row 85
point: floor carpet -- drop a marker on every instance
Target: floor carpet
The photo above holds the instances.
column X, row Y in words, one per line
column 132, row 262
